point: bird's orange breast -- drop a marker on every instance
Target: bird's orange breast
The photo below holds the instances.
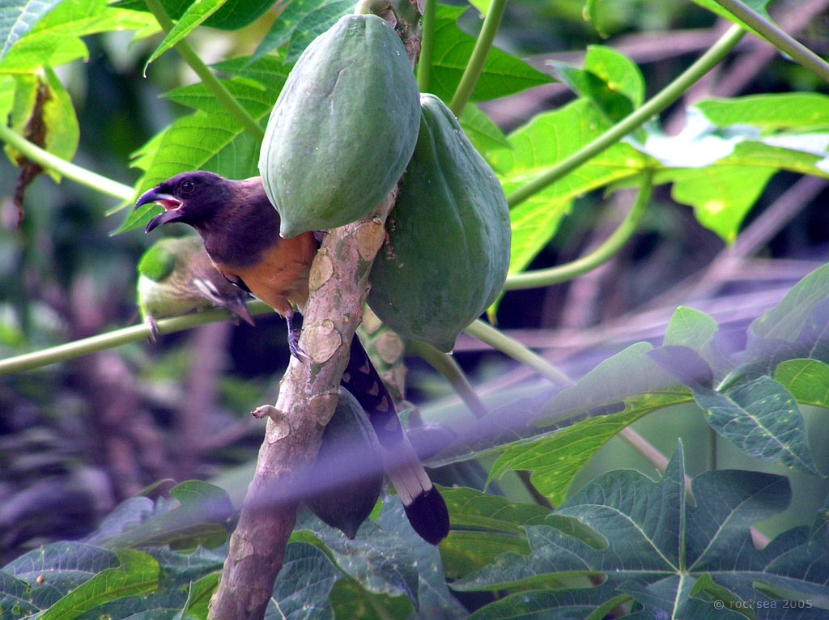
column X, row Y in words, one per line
column 280, row 278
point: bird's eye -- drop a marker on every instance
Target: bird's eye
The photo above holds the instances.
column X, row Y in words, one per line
column 187, row 186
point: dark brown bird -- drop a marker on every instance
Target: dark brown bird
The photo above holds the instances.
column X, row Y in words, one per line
column 240, row 230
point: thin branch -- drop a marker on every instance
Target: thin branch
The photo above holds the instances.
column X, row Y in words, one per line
column 427, row 44
column 491, row 336
column 777, row 37
column 606, row 251
column 206, row 75
column 476, row 62
column 662, row 100
column 109, row 340
column 66, row 169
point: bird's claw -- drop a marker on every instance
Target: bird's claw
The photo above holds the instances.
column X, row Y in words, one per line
column 293, row 345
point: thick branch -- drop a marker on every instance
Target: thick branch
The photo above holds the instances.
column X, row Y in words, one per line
column 307, row 397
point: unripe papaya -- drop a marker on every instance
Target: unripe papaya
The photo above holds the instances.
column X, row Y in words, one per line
column 348, row 473
column 343, row 128
column 448, row 247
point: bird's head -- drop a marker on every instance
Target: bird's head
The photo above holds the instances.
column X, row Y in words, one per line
column 190, row 198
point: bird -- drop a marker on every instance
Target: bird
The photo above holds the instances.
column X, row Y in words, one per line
column 176, row 276
column 240, row 231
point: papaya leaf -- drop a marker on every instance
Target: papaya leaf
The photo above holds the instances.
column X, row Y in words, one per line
column 762, row 419
column 484, row 526
column 806, row 380
column 416, row 571
column 484, row 135
column 61, row 580
column 609, row 79
column 616, row 393
column 18, row 17
column 42, row 102
column 198, row 597
column 502, row 74
column 770, row 112
column 695, row 329
column 233, row 15
column 721, row 195
column 56, row 38
column 729, row 150
column 200, row 519
column 192, row 18
column 304, row 584
column 314, row 24
column 137, row 573
column 303, row 20
column 690, row 328
column 65, row 579
column 660, row 547
column 549, row 138
column 797, row 328
column 684, row 364
column 787, row 320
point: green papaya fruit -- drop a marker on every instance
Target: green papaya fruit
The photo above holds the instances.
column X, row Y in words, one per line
column 348, row 474
column 343, row 127
column 447, row 253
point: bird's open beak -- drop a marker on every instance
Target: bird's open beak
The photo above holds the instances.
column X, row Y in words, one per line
column 170, row 203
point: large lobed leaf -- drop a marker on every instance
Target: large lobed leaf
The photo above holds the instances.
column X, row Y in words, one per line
column 673, row 558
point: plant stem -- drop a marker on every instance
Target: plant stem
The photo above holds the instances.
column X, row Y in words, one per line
column 778, row 38
column 476, row 62
column 427, row 44
column 66, row 169
column 606, row 251
column 210, row 81
column 117, row 338
column 517, row 351
column 662, row 100
column 447, row 366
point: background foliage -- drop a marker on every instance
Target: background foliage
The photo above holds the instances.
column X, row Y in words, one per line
column 700, row 340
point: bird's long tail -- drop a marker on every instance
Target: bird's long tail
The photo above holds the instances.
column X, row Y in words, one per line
column 424, row 505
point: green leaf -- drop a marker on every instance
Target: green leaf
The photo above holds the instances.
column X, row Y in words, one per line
column 695, row 329
column 56, row 38
column 770, row 112
column 484, row 526
column 548, row 139
column 806, row 380
column 313, row 25
column 502, row 74
column 200, row 519
column 415, row 572
column 675, row 559
column 721, row 195
column 762, row 419
column 45, row 104
column 18, row 17
column 484, row 135
column 233, row 15
column 609, row 79
column 198, row 597
column 788, row 319
column 137, row 573
column 729, row 149
column 301, row 20
column 193, row 17
column 304, row 584
column 615, row 394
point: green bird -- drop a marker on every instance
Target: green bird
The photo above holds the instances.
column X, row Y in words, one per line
column 175, row 276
